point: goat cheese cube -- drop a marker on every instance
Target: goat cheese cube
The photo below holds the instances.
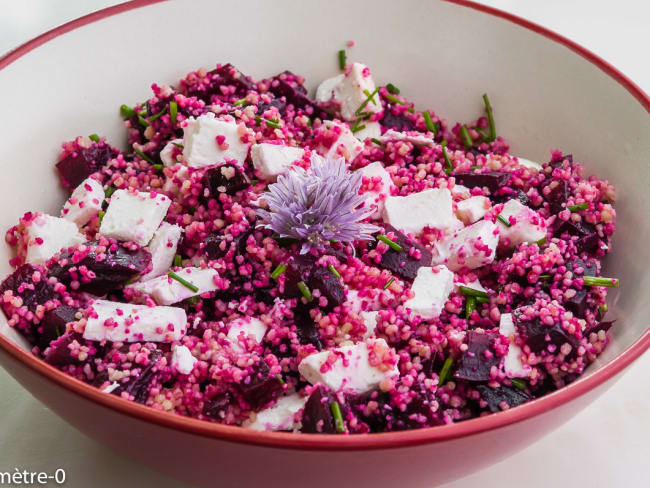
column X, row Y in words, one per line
column 325, row 91
column 182, row 359
column 370, row 321
column 180, row 174
column 84, row 203
column 460, row 191
column 472, row 209
column 526, row 225
column 163, row 249
column 344, row 144
column 413, row 137
column 281, row 416
column 350, row 367
column 166, row 154
column 167, row 291
column 111, row 388
column 47, row 235
column 431, row 288
column 208, row 141
column 472, row 247
column 428, row 208
column 244, row 327
column 512, row 364
column 376, row 186
column 134, row 216
column 474, row 285
column 527, row 163
column 271, row 160
column 125, row 322
column 370, row 130
column 349, row 91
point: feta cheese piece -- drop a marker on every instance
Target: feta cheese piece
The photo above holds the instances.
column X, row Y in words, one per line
column 281, row 416
column 167, row 291
column 125, row 322
column 460, row 191
column 163, row 249
column 208, row 141
column 370, row 130
column 243, row 327
column 325, row 91
column 166, row 154
column 527, row 163
column 47, row 235
column 376, row 186
column 351, row 367
column 526, row 225
column 182, row 359
column 428, row 208
column 180, row 174
column 111, row 388
column 474, row 285
column 472, row 209
column 84, row 203
column 344, row 145
column 512, row 364
column 271, row 160
column 370, row 321
column 413, row 137
column 349, row 91
column 472, row 247
column 431, row 288
column 134, row 216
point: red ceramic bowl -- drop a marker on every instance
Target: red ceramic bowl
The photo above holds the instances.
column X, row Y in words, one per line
column 547, row 91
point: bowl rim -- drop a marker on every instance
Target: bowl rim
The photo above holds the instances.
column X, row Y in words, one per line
column 388, row 440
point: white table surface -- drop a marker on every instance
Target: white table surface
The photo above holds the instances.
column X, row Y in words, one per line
column 605, row 446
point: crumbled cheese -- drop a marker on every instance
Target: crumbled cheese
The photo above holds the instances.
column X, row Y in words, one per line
column 271, row 160
column 526, row 224
column 84, row 203
column 163, row 249
column 472, row 209
column 431, row 288
column 181, row 173
column 368, row 129
column 48, row 235
column 370, row 321
column 166, row 153
column 244, row 327
column 201, row 146
column 474, row 285
column 349, row 91
column 281, row 416
column 167, row 291
column 413, row 137
column 346, row 145
column 376, row 197
column 182, row 359
column 527, row 163
column 512, row 364
column 111, row 388
column 428, row 208
column 472, row 247
column 325, row 91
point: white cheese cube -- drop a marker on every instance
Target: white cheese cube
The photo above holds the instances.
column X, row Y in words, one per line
column 377, row 178
column 47, row 235
column 370, row 321
column 125, row 322
column 325, row 91
column 413, row 137
column 166, row 152
column 167, row 291
column 163, row 249
column 431, row 288
column 349, row 91
column 182, row 359
column 281, row 416
column 474, row 285
column 473, row 209
column 526, row 225
column 527, row 163
column 84, row 203
column 348, row 367
column 460, row 191
column 134, row 216
column 470, row 248
column 428, row 208
column 111, row 388
column 271, row 160
column 171, row 185
column 201, row 147
column 370, row 130
column 244, row 327
column 344, row 146
column 512, row 364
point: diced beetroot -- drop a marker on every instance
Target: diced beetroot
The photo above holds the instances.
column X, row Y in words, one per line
column 227, row 178
column 502, row 396
column 596, row 328
column 587, row 268
column 53, row 324
column 260, row 387
column 479, row 358
column 317, row 415
column 232, row 76
column 401, row 262
column 139, row 386
column 557, row 160
column 558, row 196
column 492, row 180
column 539, row 336
column 59, row 354
column 399, row 122
column 303, row 268
column 588, row 239
column 276, row 102
column 284, row 85
column 577, row 304
column 217, row 245
column 215, row 408
column 306, row 328
column 21, row 283
column 78, row 166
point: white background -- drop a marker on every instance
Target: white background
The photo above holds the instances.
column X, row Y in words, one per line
column 605, row 446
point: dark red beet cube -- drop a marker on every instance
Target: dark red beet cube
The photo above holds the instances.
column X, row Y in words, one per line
column 226, row 178
column 503, row 395
column 492, row 180
column 140, row 385
column 539, row 336
column 401, row 262
column 59, row 354
column 215, row 408
column 397, row 122
column 53, row 324
column 21, row 283
column 78, row 166
column 588, row 239
column 475, row 364
column 260, row 388
column 232, row 76
column 317, row 415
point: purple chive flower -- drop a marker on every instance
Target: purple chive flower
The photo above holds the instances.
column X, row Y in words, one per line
column 317, row 206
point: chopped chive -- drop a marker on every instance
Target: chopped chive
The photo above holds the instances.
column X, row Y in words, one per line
column 544, row 276
column 471, row 292
column 142, row 121
column 580, row 206
column 411, row 110
column 93, row 137
column 281, row 268
column 519, row 383
column 470, row 306
column 541, row 242
column 488, row 109
column 273, row 123
column 157, row 166
column 158, row 115
column 195, row 300
column 143, row 155
column 302, row 286
column 393, row 99
column 342, row 59
column 60, row 330
column 109, row 191
column 602, row 310
column 428, row 122
column 173, row 112
column 126, row 111
column 279, row 378
column 101, row 214
column 392, row 244
column 338, row 418
column 503, row 220
column 465, row 137
column 389, row 282
column 178, row 145
column 356, row 127
column 183, row 282
column 254, row 182
column 443, row 143
column 241, row 101
column 600, row 281
column 392, row 89
column 475, row 167
column 482, row 132
column 444, row 372
column 449, row 167
column 334, row 271
column 178, row 260
column 376, row 141
column 482, row 299
column 370, row 96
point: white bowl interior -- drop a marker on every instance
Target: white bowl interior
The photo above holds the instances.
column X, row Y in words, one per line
column 441, row 55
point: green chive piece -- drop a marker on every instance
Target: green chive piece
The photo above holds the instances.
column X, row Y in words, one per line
column 470, row 306
column 342, row 60
column 178, row 260
column 376, row 141
column 195, row 300
column 101, row 214
column 465, row 137
column 109, row 191
column 389, row 282
column 600, row 281
column 393, row 99
column 143, row 155
column 178, row 145
column 241, row 101
column 443, row 143
column 482, row 299
column 475, row 167
column 126, row 111
column 60, row 330
column 183, row 282
column 302, row 286
column 93, row 137
column 254, row 182
column 273, row 123
column 544, row 276
column 602, row 310
column 392, row 244
column 444, row 372
column 173, row 112
column 356, row 127
column 449, row 167
column 158, row 115
column 278, row 271
column 428, row 122
column 411, row 110
column 372, row 99
column 471, row 292
column 392, row 89
column 580, row 206
column 334, row 271
column 142, row 121
column 541, row 242
column 490, row 116
column 279, row 378
column 371, row 96
column 519, row 383
column 503, row 220
column 338, row 418
column 157, row 166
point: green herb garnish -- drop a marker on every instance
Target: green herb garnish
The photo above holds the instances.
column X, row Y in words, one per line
column 279, row 378
column 101, row 214
column 389, row 282
column 600, row 281
column 393, row 99
column 157, row 166
column 503, row 220
column 370, row 96
column 541, row 242
column 602, row 310
column 178, row 145
column 277, row 272
column 580, row 206
column 338, row 418
column 158, row 115
column 93, row 137
column 173, row 112
column 392, row 89
column 183, row 282
column 241, row 101
column 109, row 191
column 470, row 306
column 482, row 300
column 519, row 383
column 428, row 122
column 444, row 372
column 449, row 167
column 392, row 244
column 273, row 123
column 143, row 156
column 465, row 137
column 304, row 289
column 342, row 59
column 356, row 127
column 471, row 292
column 488, row 109
column 126, row 111
column 178, row 260
column 376, row 141
column 334, row 271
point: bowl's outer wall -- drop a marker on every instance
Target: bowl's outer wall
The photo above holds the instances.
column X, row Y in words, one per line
column 443, row 57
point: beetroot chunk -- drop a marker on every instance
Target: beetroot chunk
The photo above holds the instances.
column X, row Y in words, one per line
column 397, row 122
column 78, row 166
column 140, row 385
column 317, row 415
column 492, row 180
column 539, row 336
column 260, row 387
column 232, row 76
column 226, row 178
column 503, row 397
column 23, row 284
column 59, row 354
column 402, row 262
column 304, row 268
column 286, row 85
column 53, row 324
column 477, row 362
column 588, row 239
column 215, row 408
